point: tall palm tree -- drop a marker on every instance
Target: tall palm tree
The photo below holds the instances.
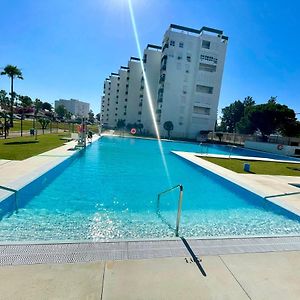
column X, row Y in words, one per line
column 12, row 72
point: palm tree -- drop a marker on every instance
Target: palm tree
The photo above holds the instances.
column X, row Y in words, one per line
column 168, row 126
column 12, row 72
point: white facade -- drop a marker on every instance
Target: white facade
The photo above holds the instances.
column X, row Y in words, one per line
column 191, row 73
column 75, row 107
column 134, row 109
column 184, row 78
column 152, row 56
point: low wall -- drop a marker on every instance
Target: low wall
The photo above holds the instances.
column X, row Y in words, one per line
column 273, row 148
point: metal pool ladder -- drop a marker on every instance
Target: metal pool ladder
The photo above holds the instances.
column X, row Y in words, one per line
column 180, row 187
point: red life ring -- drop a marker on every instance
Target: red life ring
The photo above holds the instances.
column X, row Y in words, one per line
column 133, row 131
column 280, row 147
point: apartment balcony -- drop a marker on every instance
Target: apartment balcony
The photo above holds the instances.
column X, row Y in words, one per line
column 163, row 67
column 166, row 45
column 162, row 78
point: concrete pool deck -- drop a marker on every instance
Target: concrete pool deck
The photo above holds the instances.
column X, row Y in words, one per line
column 256, row 276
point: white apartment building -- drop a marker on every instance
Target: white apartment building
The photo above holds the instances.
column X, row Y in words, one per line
column 184, row 78
column 75, row 107
column 190, row 79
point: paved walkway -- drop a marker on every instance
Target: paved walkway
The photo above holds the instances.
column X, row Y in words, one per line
column 258, row 276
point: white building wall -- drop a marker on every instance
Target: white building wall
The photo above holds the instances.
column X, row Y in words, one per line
column 105, row 103
column 123, row 93
column 152, row 56
column 134, row 84
column 75, row 107
column 113, row 97
column 189, row 108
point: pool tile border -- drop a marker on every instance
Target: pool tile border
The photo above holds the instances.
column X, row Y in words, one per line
column 21, row 254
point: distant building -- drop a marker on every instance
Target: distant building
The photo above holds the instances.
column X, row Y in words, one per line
column 184, row 78
column 75, row 107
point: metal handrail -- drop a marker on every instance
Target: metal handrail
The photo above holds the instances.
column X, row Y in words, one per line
column 180, row 186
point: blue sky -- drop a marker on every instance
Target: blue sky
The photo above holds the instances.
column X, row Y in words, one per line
column 66, row 48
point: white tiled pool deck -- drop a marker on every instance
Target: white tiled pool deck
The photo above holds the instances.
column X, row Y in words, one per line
column 234, row 268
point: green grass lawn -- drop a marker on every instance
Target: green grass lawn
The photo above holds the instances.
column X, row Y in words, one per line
column 20, row 148
column 257, row 167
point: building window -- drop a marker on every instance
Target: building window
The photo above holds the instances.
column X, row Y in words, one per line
column 204, row 89
column 188, row 58
column 139, row 112
column 207, row 67
column 205, row 44
column 126, row 100
column 201, row 110
column 145, row 58
column 179, row 57
column 124, row 114
column 172, row 43
column 116, row 114
column 209, row 58
column 116, row 108
column 181, row 45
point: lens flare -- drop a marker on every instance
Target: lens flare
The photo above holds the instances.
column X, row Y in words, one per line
column 148, row 92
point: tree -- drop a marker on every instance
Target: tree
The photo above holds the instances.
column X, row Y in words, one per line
column 234, row 113
column 91, row 117
column 98, row 117
column 46, row 106
column 271, row 117
column 12, row 72
column 168, row 126
column 44, row 123
column 61, row 111
column 129, row 126
column 140, row 127
column 121, row 124
column 4, row 100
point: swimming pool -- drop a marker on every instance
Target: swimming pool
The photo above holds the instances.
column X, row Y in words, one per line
column 109, row 191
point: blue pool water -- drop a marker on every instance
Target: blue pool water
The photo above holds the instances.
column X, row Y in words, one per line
column 109, row 191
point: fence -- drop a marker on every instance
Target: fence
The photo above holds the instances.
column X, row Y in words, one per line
column 239, row 139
